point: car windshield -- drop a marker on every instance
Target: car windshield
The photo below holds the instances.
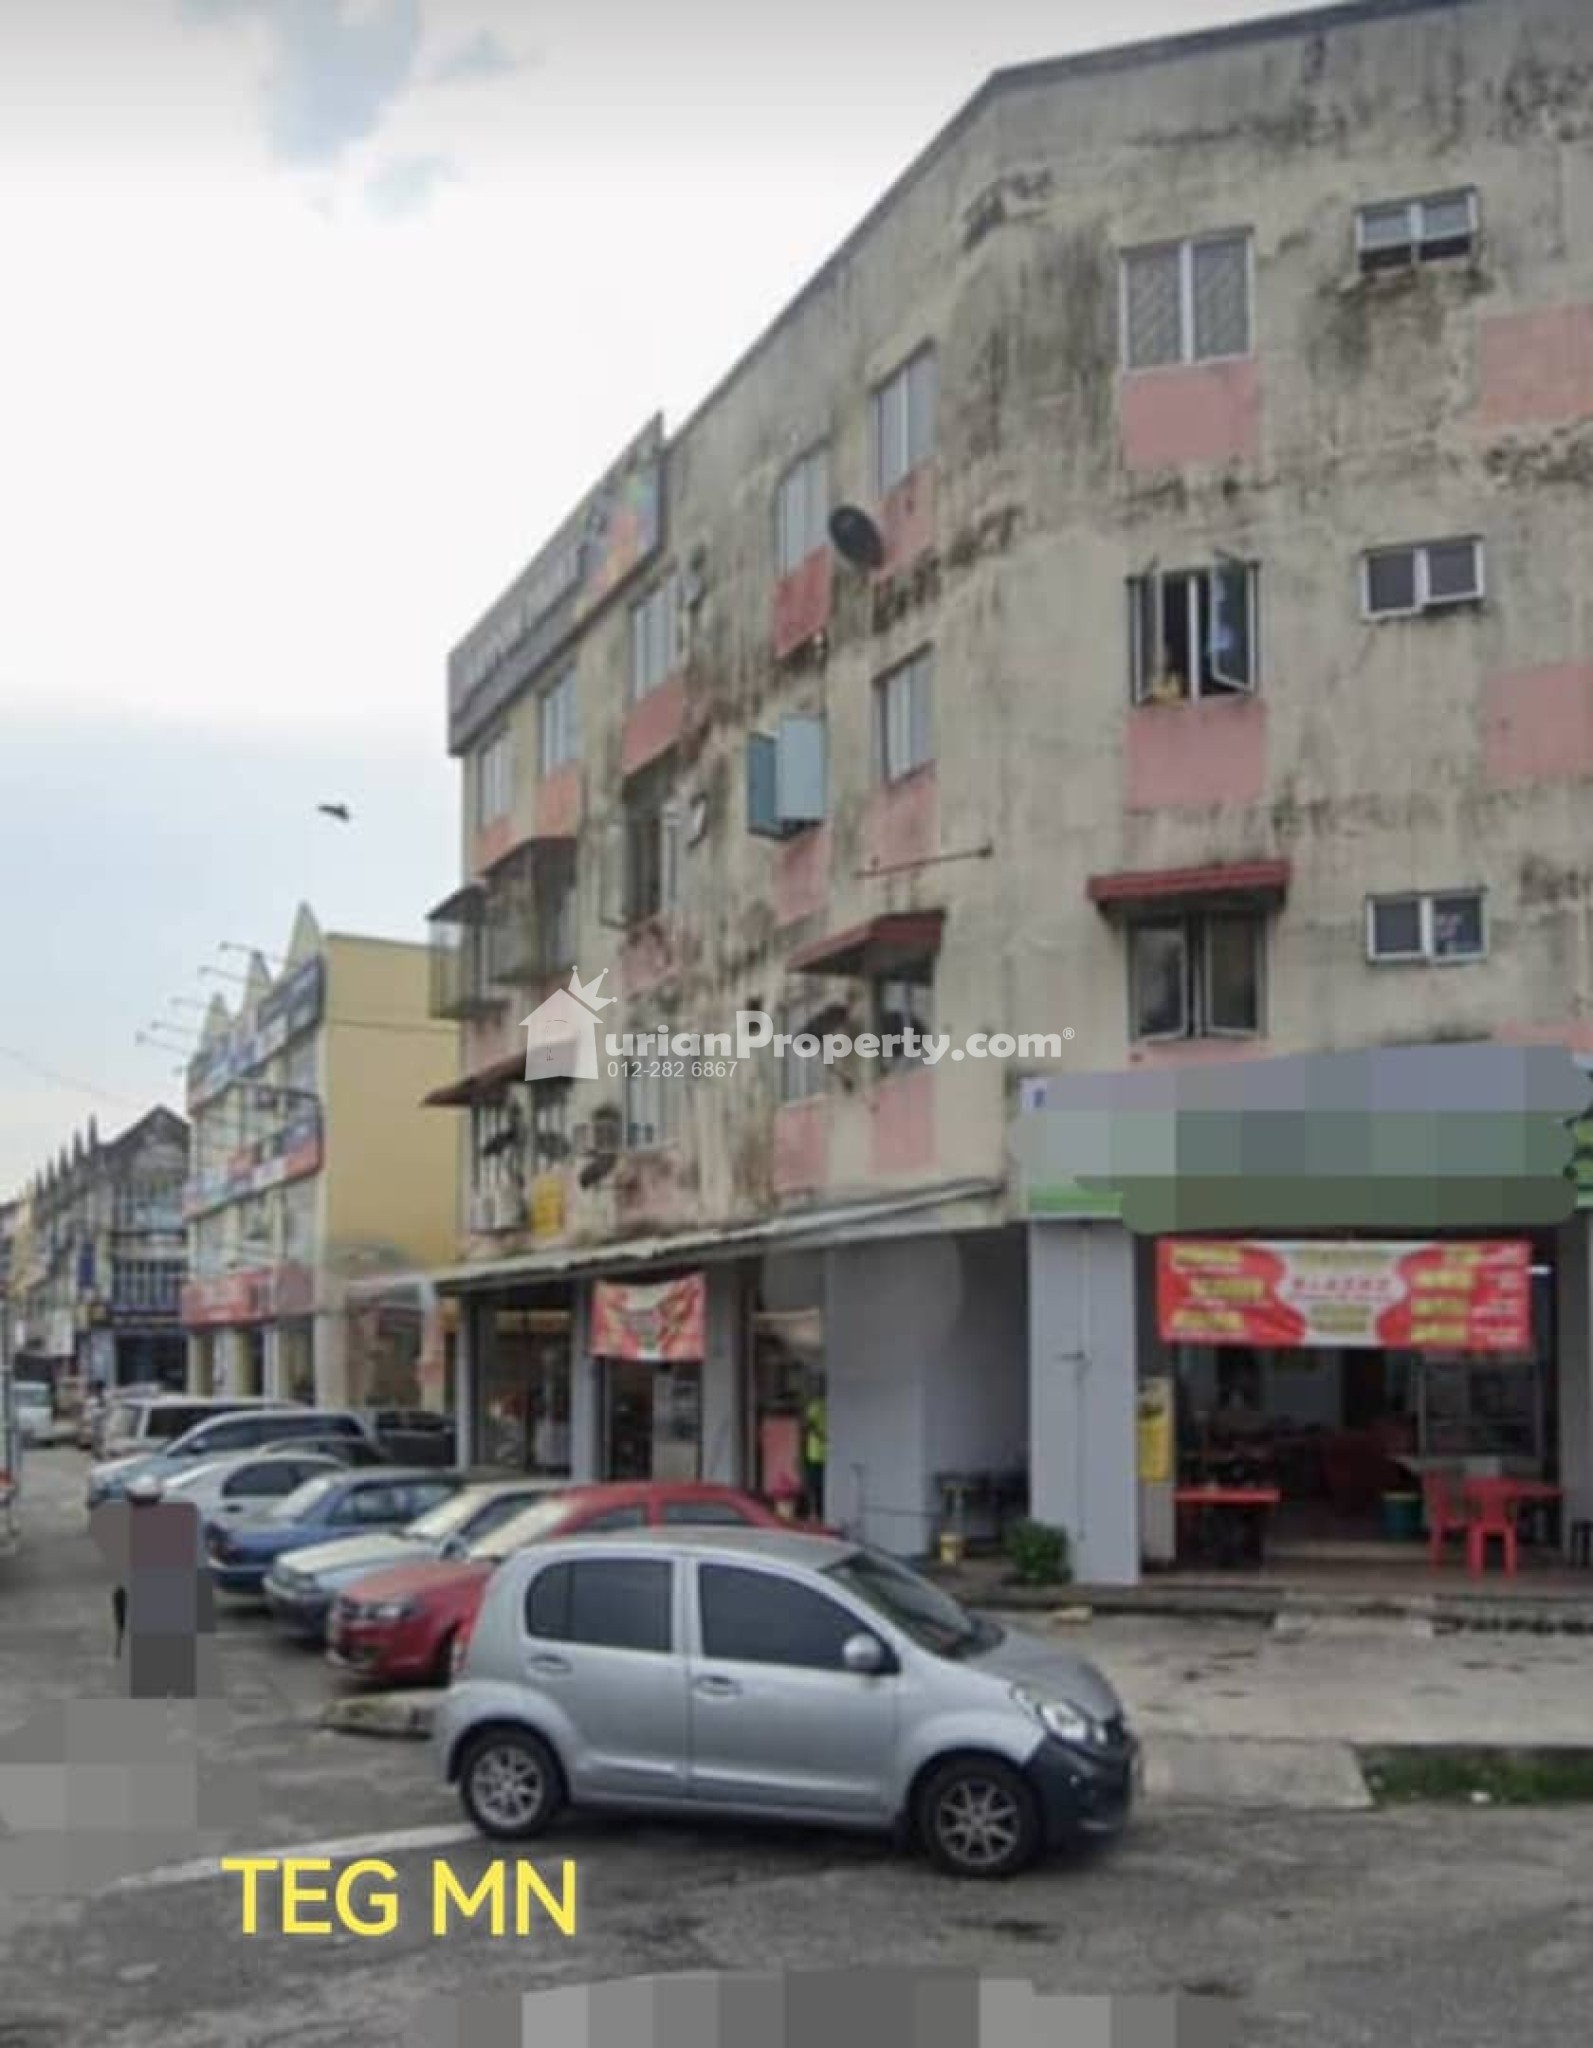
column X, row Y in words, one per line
column 440, row 1522
column 529, row 1527
column 921, row 1610
column 299, row 1502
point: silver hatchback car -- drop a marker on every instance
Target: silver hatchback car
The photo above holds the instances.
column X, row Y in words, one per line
column 776, row 1677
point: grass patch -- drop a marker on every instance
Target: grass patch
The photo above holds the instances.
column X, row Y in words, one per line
column 1477, row 1777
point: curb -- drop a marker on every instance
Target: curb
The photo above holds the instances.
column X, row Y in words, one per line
column 396, row 1716
column 1572, row 1616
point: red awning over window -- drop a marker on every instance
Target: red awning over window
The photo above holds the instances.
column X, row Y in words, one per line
column 872, row 948
column 1255, row 882
column 484, row 1081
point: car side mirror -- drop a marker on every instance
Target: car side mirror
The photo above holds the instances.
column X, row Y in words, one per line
column 863, row 1654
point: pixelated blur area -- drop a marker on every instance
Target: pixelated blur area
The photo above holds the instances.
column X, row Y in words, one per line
column 1446, row 1137
column 861, row 2008
column 162, row 1608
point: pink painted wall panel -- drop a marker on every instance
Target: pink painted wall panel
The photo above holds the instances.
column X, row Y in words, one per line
column 901, row 821
column 558, row 803
column 802, row 603
column 1191, row 756
column 907, row 519
column 802, row 875
column 1198, row 1052
column 654, row 725
column 902, row 1135
column 491, row 844
column 1535, row 367
column 801, row 1145
column 1197, row 413
column 1537, row 726
column 1574, row 1037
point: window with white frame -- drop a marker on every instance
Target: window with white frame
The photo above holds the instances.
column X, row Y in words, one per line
column 903, row 1001
column 1397, row 233
column 1186, row 302
column 496, row 1139
column 655, row 638
column 151, row 1286
column 801, row 509
column 904, row 420
column 1427, row 576
column 1196, row 976
column 904, row 737
column 494, row 785
column 652, row 1108
column 1443, row 925
column 558, row 729
column 1192, row 632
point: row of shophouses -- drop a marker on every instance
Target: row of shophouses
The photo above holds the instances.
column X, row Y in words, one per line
column 1127, row 618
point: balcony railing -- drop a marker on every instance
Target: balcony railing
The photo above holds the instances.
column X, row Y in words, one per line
column 461, row 985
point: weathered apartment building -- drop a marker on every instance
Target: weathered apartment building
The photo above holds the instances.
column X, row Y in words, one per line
column 99, row 1258
column 319, row 1186
column 1208, row 679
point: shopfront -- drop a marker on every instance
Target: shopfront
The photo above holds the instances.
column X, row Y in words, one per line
column 648, row 1343
column 1335, row 1373
column 789, row 1411
column 524, row 1388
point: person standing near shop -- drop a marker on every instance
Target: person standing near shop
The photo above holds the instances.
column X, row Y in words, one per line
column 162, row 1599
column 815, row 1451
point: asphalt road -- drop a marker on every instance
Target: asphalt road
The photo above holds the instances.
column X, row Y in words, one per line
column 1439, row 1929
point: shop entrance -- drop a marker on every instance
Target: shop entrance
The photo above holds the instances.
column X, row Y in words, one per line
column 1326, row 1442
column 653, row 1423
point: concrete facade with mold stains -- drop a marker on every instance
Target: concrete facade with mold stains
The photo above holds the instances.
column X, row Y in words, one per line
column 1421, row 754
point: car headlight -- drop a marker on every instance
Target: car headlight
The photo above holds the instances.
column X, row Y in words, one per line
column 389, row 1610
column 1061, row 1718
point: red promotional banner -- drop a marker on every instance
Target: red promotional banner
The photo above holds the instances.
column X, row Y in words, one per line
column 663, row 1323
column 1405, row 1297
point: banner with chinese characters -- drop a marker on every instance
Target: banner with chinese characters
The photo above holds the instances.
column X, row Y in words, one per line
column 663, row 1324
column 1473, row 1297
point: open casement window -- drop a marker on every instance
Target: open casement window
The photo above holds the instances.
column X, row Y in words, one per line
column 801, row 510
column 651, row 1108
column 558, row 727
column 904, row 421
column 904, row 738
column 904, row 1000
column 802, row 1076
column 643, row 857
column 497, row 1146
column 1197, row 976
column 787, row 777
column 1193, row 632
column 494, row 780
column 656, row 638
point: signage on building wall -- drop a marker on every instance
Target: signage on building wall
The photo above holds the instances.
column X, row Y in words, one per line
column 607, row 538
column 664, row 1323
column 1472, row 1297
column 296, row 1005
column 547, row 1205
column 230, row 1298
column 293, row 1153
column 1156, row 1432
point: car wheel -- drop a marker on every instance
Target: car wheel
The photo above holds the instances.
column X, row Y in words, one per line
column 976, row 1817
column 510, row 1785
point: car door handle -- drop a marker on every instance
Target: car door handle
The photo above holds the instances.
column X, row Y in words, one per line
column 554, row 1666
column 717, row 1688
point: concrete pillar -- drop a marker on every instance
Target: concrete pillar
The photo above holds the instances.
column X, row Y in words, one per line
column 465, row 1445
column 1082, row 1404
column 231, row 1368
column 724, row 1375
column 1574, row 1317
column 586, row 1408
column 271, row 1372
column 331, row 1359
column 199, row 1365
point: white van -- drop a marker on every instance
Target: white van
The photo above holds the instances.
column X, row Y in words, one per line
column 148, row 1422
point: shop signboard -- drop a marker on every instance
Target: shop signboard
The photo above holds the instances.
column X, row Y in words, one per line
column 547, row 1205
column 663, row 1324
column 1437, row 1296
column 1155, row 1432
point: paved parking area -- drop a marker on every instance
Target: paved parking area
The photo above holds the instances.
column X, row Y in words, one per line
column 1450, row 1930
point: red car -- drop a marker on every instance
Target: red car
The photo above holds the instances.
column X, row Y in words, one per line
column 404, row 1624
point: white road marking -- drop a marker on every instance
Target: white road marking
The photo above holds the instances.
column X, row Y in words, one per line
column 344, row 1850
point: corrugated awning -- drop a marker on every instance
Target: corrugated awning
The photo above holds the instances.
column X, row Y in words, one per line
column 874, row 947
column 471, row 1088
column 522, row 854
column 462, row 907
column 809, row 1228
column 1254, row 881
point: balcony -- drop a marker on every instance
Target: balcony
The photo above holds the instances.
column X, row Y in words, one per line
column 461, row 957
column 532, row 911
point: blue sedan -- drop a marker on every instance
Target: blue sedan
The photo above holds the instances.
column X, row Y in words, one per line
column 240, row 1553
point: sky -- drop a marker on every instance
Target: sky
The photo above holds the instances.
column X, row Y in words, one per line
column 319, row 317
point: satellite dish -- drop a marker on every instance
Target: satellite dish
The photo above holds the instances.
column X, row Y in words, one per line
column 856, row 537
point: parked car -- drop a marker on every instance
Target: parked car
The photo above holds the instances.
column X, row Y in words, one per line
column 35, row 1410
column 96, row 1412
column 412, row 1436
column 219, row 1434
column 142, row 1421
column 781, row 1678
column 247, row 1481
column 300, row 1589
column 401, row 1626
column 336, row 1504
column 345, row 1450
